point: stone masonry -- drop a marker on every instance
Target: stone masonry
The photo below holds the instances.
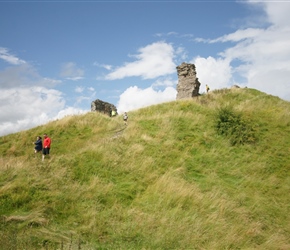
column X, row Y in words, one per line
column 103, row 107
column 188, row 84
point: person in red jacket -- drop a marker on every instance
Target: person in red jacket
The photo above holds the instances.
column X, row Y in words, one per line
column 46, row 146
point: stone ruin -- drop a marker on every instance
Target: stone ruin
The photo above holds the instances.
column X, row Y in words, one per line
column 103, row 107
column 188, row 84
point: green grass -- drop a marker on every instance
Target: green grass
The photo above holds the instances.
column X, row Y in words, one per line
column 170, row 179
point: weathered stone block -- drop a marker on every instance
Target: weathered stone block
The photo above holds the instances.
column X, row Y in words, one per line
column 103, row 107
column 188, row 84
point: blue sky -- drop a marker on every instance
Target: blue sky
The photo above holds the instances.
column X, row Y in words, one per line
column 56, row 57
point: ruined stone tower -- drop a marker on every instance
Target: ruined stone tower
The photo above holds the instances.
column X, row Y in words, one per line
column 102, row 107
column 188, row 84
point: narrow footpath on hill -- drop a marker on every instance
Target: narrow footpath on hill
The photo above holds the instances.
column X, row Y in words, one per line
column 117, row 133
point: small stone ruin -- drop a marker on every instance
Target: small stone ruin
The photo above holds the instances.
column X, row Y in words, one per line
column 103, row 107
column 188, row 84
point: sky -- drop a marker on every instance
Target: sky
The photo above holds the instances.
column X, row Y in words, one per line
column 56, row 57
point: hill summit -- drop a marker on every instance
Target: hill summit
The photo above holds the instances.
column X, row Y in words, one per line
column 211, row 172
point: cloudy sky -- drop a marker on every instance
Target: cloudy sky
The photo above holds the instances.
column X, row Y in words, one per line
column 56, row 57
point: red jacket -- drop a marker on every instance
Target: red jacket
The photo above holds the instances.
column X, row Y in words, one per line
column 46, row 142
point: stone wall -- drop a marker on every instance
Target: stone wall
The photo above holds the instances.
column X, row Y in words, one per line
column 188, row 84
column 103, row 107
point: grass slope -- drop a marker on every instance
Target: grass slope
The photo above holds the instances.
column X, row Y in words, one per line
column 167, row 180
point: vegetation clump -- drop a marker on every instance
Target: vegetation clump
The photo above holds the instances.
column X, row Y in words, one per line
column 232, row 124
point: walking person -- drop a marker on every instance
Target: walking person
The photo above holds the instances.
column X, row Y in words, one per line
column 125, row 118
column 46, row 146
column 38, row 144
column 113, row 113
column 206, row 88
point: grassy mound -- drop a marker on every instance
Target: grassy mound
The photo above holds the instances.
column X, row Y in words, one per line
column 207, row 173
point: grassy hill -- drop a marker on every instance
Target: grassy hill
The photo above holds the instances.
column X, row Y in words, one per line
column 208, row 173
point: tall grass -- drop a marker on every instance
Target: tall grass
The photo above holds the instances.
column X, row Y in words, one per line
column 167, row 180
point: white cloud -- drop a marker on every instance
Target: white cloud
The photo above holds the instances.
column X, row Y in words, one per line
column 79, row 89
column 238, row 35
column 71, row 72
column 23, row 75
column 135, row 98
column 88, row 94
column 214, row 72
column 274, row 82
column 171, row 33
column 153, row 61
column 105, row 66
column 268, row 47
column 181, row 53
column 24, row 100
column 260, row 56
column 277, row 11
column 80, row 99
column 11, row 59
column 168, row 82
column 27, row 99
column 24, row 107
column 69, row 111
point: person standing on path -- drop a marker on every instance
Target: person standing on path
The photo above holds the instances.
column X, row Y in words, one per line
column 38, row 144
column 46, row 146
column 125, row 118
column 206, row 88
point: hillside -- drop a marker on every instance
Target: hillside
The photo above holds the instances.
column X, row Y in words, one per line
column 208, row 173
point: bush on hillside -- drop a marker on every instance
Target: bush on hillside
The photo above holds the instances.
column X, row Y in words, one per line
column 234, row 126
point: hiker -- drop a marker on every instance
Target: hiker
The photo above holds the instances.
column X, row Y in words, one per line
column 46, row 146
column 38, row 144
column 113, row 113
column 207, row 88
column 125, row 118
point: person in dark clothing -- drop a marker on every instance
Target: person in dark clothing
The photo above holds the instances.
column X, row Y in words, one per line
column 38, row 145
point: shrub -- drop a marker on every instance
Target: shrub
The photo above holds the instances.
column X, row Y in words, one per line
column 234, row 126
